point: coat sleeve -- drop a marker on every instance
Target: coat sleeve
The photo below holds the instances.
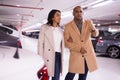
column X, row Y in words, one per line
column 69, row 43
column 41, row 42
column 93, row 30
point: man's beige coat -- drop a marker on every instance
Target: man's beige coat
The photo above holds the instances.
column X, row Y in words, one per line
column 77, row 43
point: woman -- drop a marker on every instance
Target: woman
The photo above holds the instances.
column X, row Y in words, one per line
column 51, row 44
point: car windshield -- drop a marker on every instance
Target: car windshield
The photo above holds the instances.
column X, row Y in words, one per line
column 8, row 31
column 117, row 35
column 108, row 33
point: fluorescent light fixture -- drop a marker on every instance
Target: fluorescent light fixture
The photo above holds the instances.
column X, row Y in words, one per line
column 98, row 24
column 96, row 2
column 116, row 21
column 66, row 14
column 18, row 14
column 27, row 28
column 18, row 5
column 102, row 3
column 110, row 28
column 32, row 27
column 0, row 24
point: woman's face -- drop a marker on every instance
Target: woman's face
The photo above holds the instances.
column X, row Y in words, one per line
column 57, row 17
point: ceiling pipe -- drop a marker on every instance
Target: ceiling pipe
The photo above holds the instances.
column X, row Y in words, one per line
column 99, row 20
column 15, row 6
column 27, row 15
column 12, row 19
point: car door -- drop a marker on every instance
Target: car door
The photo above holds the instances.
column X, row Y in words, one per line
column 7, row 40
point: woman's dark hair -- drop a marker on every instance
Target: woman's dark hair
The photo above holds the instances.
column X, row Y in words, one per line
column 51, row 15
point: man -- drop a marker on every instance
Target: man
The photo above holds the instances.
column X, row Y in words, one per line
column 77, row 35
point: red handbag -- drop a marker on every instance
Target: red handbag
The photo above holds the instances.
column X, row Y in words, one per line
column 43, row 74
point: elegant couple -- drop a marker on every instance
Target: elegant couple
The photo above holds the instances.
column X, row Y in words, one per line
column 76, row 37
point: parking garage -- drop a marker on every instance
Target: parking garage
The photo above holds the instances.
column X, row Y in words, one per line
column 20, row 26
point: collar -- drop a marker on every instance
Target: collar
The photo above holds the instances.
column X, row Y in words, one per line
column 79, row 22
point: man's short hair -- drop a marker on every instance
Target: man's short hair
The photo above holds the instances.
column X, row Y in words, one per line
column 76, row 7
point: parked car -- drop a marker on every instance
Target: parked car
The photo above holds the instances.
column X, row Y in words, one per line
column 35, row 34
column 109, row 45
column 102, row 33
column 32, row 34
column 10, row 31
column 8, row 40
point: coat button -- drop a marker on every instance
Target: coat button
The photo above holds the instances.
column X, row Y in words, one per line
column 81, row 40
column 47, row 60
column 48, row 49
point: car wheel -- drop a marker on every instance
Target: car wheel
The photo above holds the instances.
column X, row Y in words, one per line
column 114, row 52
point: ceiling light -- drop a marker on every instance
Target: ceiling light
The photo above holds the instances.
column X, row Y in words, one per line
column 0, row 24
column 27, row 28
column 102, row 3
column 66, row 14
column 32, row 27
column 18, row 14
column 18, row 5
column 98, row 24
column 116, row 21
column 96, row 2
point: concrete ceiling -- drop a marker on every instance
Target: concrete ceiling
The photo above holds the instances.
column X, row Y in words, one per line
column 29, row 12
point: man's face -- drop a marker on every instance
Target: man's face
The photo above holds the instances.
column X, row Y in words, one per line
column 78, row 13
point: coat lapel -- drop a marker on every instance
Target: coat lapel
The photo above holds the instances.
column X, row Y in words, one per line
column 83, row 27
column 75, row 27
column 77, row 30
column 49, row 35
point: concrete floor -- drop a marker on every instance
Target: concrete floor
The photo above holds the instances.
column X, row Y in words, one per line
column 29, row 63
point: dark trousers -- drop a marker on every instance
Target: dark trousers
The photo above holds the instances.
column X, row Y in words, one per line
column 70, row 75
column 57, row 66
